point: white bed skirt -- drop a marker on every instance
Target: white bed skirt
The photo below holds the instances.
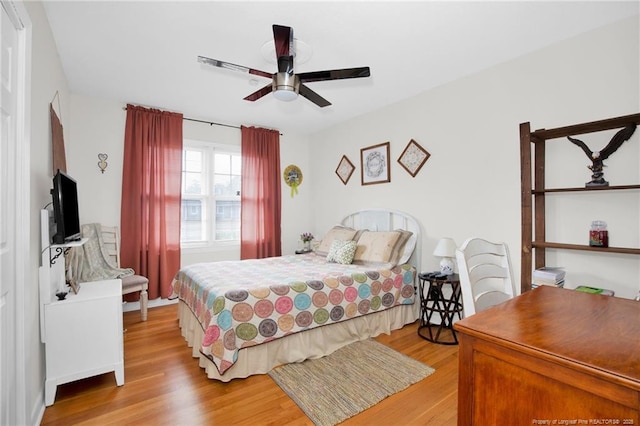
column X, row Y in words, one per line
column 314, row 343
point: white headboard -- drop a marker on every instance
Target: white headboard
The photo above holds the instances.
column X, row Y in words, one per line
column 389, row 220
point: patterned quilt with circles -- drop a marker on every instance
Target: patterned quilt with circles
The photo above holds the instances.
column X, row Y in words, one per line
column 245, row 303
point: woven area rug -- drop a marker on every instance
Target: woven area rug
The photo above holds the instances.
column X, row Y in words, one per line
column 331, row 389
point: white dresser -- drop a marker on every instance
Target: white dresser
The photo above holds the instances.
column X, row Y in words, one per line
column 83, row 335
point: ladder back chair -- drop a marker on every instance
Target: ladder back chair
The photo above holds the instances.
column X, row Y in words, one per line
column 132, row 283
column 486, row 276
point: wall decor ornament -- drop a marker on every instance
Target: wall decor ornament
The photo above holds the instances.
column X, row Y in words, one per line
column 293, row 178
column 57, row 139
column 413, row 157
column 374, row 164
column 345, row 169
column 597, row 157
column 102, row 164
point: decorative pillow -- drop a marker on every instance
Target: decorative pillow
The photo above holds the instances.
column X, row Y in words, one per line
column 342, row 252
column 338, row 232
column 378, row 247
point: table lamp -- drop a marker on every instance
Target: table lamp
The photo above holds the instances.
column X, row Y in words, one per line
column 446, row 249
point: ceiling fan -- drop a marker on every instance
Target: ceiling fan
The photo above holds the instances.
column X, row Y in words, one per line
column 286, row 85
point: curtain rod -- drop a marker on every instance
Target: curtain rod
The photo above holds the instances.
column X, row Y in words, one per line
column 210, row 123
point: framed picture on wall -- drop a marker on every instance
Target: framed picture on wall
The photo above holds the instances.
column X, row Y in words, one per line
column 374, row 164
column 413, row 157
column 345, row 169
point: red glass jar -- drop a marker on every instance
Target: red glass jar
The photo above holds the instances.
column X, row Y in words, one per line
column 598, row 235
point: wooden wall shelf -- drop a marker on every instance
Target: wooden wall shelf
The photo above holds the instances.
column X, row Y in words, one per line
column 546, row 244
column 533, row 192
column 585, row 189
column 581, row 129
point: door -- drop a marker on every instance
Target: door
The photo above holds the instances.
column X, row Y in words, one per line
column 12, row 92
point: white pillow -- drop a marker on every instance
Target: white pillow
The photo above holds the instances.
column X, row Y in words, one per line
column 342, row 252
column 377, row 247
column 384, row 248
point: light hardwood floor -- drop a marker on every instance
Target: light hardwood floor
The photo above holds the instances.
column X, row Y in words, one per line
column 165, row 386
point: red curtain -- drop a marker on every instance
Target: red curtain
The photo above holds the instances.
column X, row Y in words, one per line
column 260, row 194
column 150, row 212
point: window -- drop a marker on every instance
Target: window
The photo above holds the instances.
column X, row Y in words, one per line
column 210, row 194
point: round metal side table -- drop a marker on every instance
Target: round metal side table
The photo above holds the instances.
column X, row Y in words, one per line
column 438, row 304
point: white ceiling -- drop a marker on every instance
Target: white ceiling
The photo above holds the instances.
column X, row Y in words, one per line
column 146, row 52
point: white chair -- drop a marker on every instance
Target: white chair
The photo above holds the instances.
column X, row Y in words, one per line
column 486, row 276
column 132, row 283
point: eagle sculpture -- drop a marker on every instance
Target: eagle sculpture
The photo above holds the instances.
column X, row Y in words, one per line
column 597, row 157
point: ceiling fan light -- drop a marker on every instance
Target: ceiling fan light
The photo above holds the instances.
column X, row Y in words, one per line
column 285, row 94
column 285, row 86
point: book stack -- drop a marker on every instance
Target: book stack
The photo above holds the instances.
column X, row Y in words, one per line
column 548, row 276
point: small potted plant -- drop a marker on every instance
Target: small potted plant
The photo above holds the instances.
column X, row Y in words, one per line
column 306, row 238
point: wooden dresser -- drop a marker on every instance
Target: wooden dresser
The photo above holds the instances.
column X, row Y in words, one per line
column 551, row 356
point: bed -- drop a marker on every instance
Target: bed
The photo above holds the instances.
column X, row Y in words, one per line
column 246, row 317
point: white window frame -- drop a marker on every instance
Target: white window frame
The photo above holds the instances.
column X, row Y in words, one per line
column 210, row 148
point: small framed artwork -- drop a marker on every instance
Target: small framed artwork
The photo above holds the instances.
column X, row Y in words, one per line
column 374, row 164
column 345, row 169
column 413, row 157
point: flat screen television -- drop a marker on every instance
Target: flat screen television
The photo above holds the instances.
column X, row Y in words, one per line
column 65, row 209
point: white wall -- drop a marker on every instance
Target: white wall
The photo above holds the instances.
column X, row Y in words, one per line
column 97, row 126
column 47, row 77
column 471, row 184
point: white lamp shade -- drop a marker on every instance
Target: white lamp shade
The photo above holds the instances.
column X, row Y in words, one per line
column 446, row 248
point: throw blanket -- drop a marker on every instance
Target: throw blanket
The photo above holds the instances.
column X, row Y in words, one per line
column 90, row 262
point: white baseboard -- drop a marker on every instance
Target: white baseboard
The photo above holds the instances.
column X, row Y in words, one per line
column 135, row 306
column 37, row 413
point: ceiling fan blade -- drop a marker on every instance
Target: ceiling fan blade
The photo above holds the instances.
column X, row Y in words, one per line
column 308, row 77
column 233, row 67
column 284, row 83
column 259, row 93
column 285, row 64
column 282, row 37
column 313, row 96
